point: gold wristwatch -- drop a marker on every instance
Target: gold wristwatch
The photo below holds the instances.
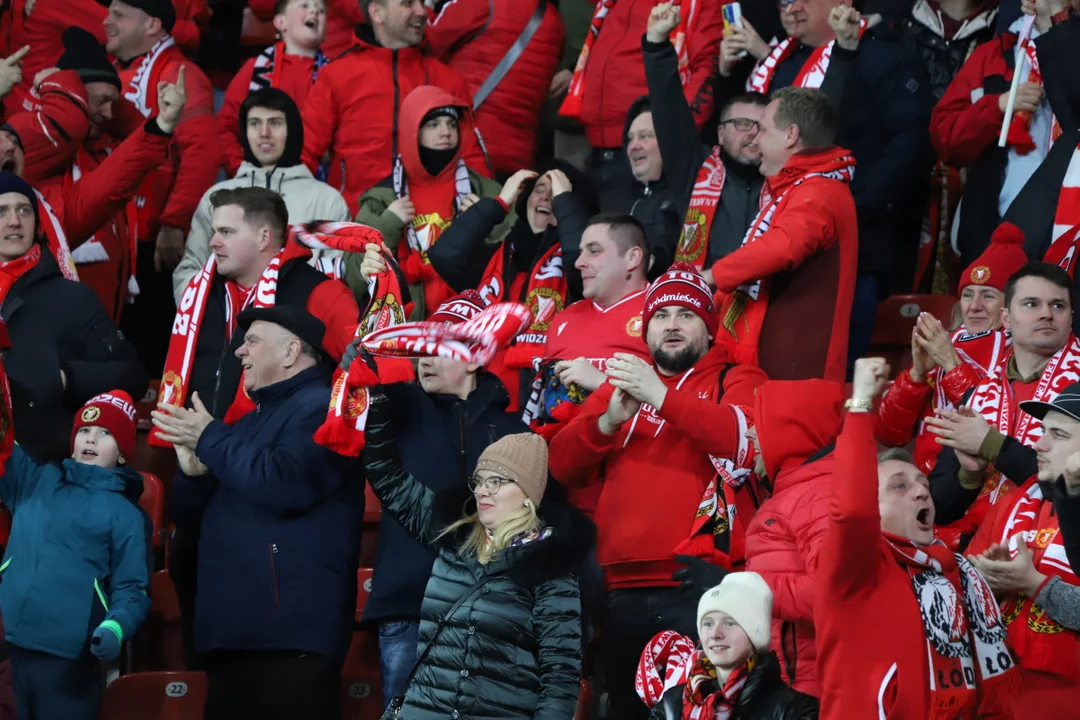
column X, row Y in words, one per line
column 861, row 405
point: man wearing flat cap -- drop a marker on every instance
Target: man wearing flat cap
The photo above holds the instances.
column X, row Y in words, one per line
column 278, row 519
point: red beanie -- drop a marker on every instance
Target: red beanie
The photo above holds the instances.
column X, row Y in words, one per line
column 458, row 309
column 682, row 285
column 999, row 261
column 113, row 411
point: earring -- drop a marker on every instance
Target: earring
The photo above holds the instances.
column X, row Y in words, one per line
column 528, row 503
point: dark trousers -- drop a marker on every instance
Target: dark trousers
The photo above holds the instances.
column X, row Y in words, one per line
column 632, row 618
column 183, row 570
column 52, row 688
column 271, row 685
column 147, row 322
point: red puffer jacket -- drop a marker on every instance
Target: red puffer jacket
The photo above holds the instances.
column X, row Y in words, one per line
column 906, row 406
column 509, row 117
column 352, row 112
column 342, row 17
column 796, row 422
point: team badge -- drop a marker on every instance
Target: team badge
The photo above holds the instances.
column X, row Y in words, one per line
column 633, row 327
column 90, row 414
column 980, row 275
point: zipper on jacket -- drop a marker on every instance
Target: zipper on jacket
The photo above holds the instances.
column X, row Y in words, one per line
column 273, row 574
column 791, row 652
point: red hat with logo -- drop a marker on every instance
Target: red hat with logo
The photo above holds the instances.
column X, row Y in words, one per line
column 458, row 309
column 114, row 411
column 999, row 261
column 683, row 286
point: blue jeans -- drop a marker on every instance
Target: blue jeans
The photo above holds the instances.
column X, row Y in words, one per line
column 397, row 655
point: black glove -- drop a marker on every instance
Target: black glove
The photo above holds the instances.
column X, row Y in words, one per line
column 698, row 575
column 349, row 355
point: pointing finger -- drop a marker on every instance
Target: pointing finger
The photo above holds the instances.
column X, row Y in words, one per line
column 17, row 57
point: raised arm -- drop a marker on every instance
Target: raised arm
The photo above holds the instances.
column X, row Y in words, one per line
column 196, row 141
column 53, row 133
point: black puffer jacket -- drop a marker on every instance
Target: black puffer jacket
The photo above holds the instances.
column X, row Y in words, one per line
column 512, row 651
column 765, row 696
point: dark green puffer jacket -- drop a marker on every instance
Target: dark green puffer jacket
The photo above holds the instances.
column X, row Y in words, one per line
column 513, row 649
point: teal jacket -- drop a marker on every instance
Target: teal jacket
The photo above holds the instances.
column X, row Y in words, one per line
column 78, row 557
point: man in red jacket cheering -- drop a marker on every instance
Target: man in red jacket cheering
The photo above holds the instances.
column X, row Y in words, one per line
column 905, row 629
column 666, row 440
column 798, row 260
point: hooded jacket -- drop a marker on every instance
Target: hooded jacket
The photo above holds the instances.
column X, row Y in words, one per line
column 352, row 112
column 434, row 197
column 79, row 554
column 638, row 524
column 306, row 198
column 797, row 424
column 808, row 259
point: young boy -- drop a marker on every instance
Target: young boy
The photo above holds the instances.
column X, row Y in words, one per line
column 291, row 64
column 75, row 576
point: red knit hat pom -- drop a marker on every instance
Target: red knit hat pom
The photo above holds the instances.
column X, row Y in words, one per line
column 1004, row 256
column 114, row 411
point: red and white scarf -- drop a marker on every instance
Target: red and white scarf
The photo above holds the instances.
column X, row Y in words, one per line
column 11, row 271
column 704, row 198
column 1040, row 642
column 54, row 233
column 142, row 90
column 671, row 660
column 810, row 75
column 688, row 11
column 985, row 351
column 965, row 634
column 267, row 70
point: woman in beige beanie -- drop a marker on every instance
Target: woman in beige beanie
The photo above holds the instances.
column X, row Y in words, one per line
column 500, row 628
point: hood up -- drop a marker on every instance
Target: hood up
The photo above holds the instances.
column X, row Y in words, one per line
column 416, row 105
column 796, row 419
column 294, row 142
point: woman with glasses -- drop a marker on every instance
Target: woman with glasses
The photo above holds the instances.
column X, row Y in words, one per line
column 500, row 628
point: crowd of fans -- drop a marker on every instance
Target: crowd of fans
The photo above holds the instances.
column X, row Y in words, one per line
column 634, row 252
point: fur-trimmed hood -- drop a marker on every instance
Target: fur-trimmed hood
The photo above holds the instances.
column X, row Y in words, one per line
column 573, row 535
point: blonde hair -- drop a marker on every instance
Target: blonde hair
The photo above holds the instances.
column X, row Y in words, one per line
column 522, row 521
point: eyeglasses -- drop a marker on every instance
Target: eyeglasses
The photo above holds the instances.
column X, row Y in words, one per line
column 491, row 484
column 741, row 124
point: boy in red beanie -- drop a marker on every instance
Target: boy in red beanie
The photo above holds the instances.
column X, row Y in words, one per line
column 76, row 571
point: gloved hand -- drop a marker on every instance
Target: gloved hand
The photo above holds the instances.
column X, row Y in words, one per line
column 105, row 643
column 698, row 576
column 349, row 355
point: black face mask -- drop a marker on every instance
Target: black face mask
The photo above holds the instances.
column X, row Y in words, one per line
column 435, row 161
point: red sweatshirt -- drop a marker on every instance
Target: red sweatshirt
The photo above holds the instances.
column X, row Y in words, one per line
column 653, row 483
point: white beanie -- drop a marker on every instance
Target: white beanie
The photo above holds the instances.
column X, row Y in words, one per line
column 747, row 600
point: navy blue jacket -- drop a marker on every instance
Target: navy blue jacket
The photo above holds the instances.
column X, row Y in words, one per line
column 281, row 520
column 440, row 438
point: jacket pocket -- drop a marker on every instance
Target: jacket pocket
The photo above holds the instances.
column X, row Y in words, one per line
column 886, row 695
column 273, row 575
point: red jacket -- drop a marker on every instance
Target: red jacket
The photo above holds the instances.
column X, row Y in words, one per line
column 171, row 194
column 906, row 406
column 966, row 121
column 352, row 112
column 296, row 72
column 342, row 16
column 639, row 522
column 615, row 72
column 509, row 118
column 809, row 259
column 795, row 422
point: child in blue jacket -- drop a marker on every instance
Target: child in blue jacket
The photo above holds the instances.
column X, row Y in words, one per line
column 76, row 572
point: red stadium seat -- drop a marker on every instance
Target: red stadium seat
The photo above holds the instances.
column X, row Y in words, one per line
column 372, row 506
column 584, row 702
column 361, row 695
column 5, row 525
column 166, row 635
column 897, row 314
column 363, row 590
column 155, row 696
column 153, row 502
column 254, row 32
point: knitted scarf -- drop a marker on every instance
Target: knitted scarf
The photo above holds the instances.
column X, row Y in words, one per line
column 810, row 75
column 965, row 635
column 571, row 106
column 268, row 64
column 180, row 358
column 1063, row 251
column 389, row 306
column 704, row 698
column 12, row 270
column 545, row 297
column 1039, row 641
column 704, row 198
column 142, row 88
column 751, row 301
column 54, row 233
column 671, row 660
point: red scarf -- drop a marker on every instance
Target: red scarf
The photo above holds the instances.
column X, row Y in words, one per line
column 267, row 70
column 688, row 11
column 672, row 660
column 142, row 89
column 1019, row 134
column 704, row 198
column 1039, row 641
column 343, row 430
column 993, row 399
column 12, row 270
column 811, row 74
column 703, row 699
column 54, row 233
column 970, row 664
column 545, row 297
column 189, row 314
column 1062, row 252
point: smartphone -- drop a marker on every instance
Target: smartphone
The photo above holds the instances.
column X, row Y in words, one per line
column 732, row 13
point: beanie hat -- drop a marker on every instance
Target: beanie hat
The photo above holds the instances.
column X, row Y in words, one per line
column 163, row 10
column 522, row 458
column 458, row 309
column 10, row 182
column 747, row 600
column 684, row 286
column 444, row 111
column 87, row 58
column 114, row 411
column 6, row 127
column 999, row 261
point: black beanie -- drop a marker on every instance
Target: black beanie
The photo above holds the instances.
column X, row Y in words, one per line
column 88, row 59
column 161, row 9
column 10, row 182
column 6, row 127
column 446, row 110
